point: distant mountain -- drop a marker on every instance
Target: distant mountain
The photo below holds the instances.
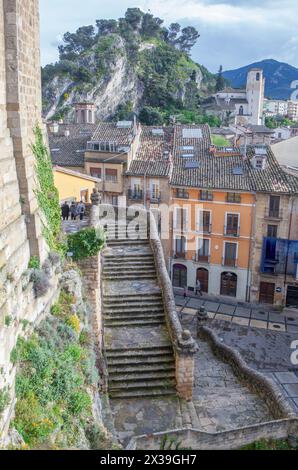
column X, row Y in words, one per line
column 279, row 77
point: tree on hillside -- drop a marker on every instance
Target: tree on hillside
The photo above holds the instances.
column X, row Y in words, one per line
column 134, row 17
column 151, row 26
column 173, row 31
column 220, row 81
column 78, row 42
column 187, row 39
column 150, row 116
column 106, row 27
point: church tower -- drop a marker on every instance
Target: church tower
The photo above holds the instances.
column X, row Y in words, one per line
column 255, row 89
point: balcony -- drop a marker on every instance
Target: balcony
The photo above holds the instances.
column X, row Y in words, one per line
column 200, row 258
column 233, row 198
column 273, row 214
column 154, row 197
column 179, row 255
column 231, row 231
column 135, row 195
column 231, row 262
column 181, row 194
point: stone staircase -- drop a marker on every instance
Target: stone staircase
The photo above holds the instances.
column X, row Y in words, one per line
column 139, row 352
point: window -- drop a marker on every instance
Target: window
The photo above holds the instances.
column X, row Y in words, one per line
column 230, row 256
column 115, row 200
column 95, row 172
column 258, row 76
column 272, row 231
column 111, row 175
column 206, row 195
column 204, row 250
column 234, row 198
column 232, row 226
column 180, row 247
column 181, row 219
column 259, row 162
column 182, row 194
column 274, row 203
column 204, row 222
column 241, row 111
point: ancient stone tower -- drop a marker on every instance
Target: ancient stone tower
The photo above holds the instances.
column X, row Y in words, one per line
column 20, row 223
column 255, row 89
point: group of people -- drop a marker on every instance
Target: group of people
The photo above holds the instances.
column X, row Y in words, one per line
column 73, row 210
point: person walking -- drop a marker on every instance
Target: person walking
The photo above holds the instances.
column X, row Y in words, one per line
column 65, row 211
column 81, row 210
column 199, row 288
column 73, row 211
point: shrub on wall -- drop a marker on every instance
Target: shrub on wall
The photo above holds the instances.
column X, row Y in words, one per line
column 46, row 192
column 87, row 242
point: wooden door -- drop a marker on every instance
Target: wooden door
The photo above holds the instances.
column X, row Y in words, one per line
column 203, row 277
column 267, row 293
column 228, row 284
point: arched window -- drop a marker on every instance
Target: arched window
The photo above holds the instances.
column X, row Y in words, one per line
column 179, row 275
column 228, row 285
column 90, row 116
column 83, row 117
column 258, row 77
column 241, row 110
column 203, row 277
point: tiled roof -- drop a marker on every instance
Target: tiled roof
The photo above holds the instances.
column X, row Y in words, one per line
column 69, row 150
column 260, row 129
column 230, row 172
column 154, row 153
column 110, row 132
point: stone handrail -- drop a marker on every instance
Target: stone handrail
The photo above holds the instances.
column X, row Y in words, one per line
column 182, row 340
column 256, row 381
column 231, row 439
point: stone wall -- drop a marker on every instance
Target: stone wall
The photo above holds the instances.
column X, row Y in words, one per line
column 198, row 440
column 20, row 222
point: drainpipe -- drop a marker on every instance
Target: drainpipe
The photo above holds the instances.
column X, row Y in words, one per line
column 250, row 263
column 288, row 247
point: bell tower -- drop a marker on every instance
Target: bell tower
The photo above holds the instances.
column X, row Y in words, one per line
column 255, row 89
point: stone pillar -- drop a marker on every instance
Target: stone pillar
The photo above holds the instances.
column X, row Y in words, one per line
column 185, row 362
column 91, row 270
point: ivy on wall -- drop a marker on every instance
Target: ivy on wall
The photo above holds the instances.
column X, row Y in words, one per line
column 46, row 192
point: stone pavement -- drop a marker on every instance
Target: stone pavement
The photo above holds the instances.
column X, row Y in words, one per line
column 267, row 351
column 220, row 400
column 244, row 315
column 73, row 226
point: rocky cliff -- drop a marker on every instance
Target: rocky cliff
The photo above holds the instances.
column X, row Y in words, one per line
column 125, row 66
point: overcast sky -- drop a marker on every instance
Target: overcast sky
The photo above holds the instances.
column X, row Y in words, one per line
column 233, row 32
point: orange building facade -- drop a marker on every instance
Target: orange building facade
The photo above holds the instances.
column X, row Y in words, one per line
column 211, row 238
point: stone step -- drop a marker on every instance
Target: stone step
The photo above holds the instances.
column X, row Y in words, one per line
column 137, row 377
column 129, row 304
column 140, row 352
column 142, row 360
column 147, row 393
column 148, row 368
column 129, row 277
column 133, row 258
column 127, row 322
column 140, row 317
column 133, row 297
column 127, row 242
column 136, row 385
column 129, row 262
column 135, row 312
column 129, row 267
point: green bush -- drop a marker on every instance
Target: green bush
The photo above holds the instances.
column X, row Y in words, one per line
column 87, row 242
column 53, row 377
column 34, row 263
column 4, row 400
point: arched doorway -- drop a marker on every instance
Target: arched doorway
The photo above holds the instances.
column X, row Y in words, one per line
column 203, row 277
column 179, row 275
column 228, row 285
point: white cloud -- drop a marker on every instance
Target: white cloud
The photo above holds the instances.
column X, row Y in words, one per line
column 233, row 32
